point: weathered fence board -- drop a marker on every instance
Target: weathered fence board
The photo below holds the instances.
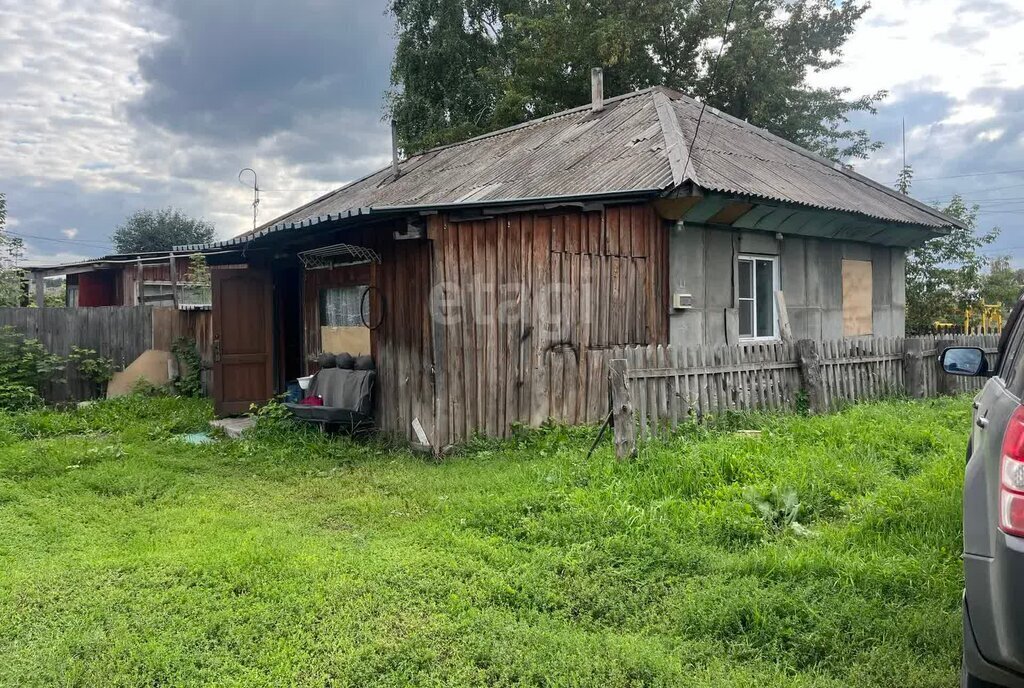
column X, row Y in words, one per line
column 120, row 333
column 669, row 386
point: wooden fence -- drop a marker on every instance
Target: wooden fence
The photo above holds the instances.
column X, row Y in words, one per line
column 120, row 333
column 668, row 386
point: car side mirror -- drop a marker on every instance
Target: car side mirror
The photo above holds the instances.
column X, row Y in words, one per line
column 967, row 361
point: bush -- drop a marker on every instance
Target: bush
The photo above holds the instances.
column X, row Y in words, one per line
column 16, row 397
column 189, row 382
column 97, row 370
column 26, row 362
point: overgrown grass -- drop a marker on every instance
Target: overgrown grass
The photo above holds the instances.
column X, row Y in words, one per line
column 129, row 558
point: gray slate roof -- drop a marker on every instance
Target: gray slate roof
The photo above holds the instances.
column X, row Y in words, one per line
column 640, row 143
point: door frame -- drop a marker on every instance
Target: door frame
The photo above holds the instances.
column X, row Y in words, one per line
column 218, row 274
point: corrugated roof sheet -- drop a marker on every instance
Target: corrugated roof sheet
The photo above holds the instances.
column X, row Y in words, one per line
column 623, row 148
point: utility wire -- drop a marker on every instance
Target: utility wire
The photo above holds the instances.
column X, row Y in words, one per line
column 80, row 242
column 714, row 75
column 972, row 174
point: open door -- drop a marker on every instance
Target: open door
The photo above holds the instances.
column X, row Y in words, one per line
column 243, row 317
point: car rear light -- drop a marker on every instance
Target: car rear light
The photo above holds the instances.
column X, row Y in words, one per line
column 1011, row 476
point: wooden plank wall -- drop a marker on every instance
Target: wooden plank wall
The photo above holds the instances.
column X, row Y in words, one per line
column 197, row 325
column 672, row 385
column 524, row 301
column 118, row 332
column 402, row 342
column 121, row 333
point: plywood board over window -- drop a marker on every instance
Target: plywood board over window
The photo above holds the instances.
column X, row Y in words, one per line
column 857, row 293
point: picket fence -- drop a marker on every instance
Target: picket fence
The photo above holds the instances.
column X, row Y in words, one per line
column 670, row 385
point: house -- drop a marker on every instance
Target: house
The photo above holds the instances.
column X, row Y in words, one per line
column 159, row 278
column 490, row 278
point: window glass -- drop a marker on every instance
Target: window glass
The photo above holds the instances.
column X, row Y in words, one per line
column 342, row 328
column 746, row 268
column 340, row 306
column 765, row 297
column 1009, row 368
column 757, row 282
column 746, row 317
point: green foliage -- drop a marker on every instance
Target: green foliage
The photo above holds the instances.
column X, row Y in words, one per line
column 471, row 66
column 946, row 275
column 298, row 558
column 198, row 270
column 189, row 382
column 1002, row 283
column 273, row 419
column 778, row 508
column 12, row 250
column 148, row 390
column 94, row 368
column 905, row 180
column 56, row 298
column 15, row 397
column 160, row 230
column 26, row 362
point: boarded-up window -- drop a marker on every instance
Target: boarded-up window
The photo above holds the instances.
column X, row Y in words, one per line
column 857, row 294
column 342, row 320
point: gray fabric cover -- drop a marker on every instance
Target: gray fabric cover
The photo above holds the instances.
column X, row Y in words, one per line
column 347, row 389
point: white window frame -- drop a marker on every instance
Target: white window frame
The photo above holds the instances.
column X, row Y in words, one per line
column 776, row 282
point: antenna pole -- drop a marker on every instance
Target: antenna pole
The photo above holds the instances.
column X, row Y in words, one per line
column 904, row 143
column 255, row 192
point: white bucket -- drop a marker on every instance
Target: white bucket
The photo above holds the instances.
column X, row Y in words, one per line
column 304, row 382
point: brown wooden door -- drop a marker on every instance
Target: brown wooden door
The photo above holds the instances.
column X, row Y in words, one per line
column 243, row 317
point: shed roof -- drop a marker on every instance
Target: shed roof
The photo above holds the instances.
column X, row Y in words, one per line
column 640, row 143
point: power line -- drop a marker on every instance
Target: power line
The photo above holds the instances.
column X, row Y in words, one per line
column 714, row 75
column 80, row 242
column 973, row 174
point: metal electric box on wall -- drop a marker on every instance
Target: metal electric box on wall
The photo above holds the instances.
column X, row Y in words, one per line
column 682, row 302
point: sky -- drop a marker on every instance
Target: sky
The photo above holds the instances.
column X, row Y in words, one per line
column 110, row 106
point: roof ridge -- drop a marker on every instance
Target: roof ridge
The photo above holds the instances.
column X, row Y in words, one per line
column 676, row 150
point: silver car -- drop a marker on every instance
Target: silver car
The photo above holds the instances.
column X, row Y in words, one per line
column 994, row 513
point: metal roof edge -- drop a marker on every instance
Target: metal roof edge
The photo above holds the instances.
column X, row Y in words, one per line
column 383, row 210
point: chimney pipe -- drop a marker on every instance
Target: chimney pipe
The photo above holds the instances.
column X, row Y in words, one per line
column 596, row 89
column 394, row 150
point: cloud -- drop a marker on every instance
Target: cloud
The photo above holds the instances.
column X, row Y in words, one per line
column 233, row 72
column 955, row 73
column 70, row 232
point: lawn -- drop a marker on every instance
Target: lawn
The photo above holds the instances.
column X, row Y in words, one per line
column 824, row 552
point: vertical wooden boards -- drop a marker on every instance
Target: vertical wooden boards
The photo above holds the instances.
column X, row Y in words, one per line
column 541, row 297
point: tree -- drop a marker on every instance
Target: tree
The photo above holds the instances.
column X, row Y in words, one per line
column 1002, row 284
column 160, row 230
column 905, row 180
column 465, row 67
column 12, row 250
column 946, row 275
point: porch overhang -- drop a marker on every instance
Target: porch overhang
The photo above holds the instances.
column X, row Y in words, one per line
column 735, row 211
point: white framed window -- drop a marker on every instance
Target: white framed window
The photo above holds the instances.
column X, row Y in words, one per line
column 758, row 281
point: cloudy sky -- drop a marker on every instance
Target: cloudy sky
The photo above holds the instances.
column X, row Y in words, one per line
column 109, row 106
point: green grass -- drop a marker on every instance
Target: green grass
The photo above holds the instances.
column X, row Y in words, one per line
column 128, row 558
